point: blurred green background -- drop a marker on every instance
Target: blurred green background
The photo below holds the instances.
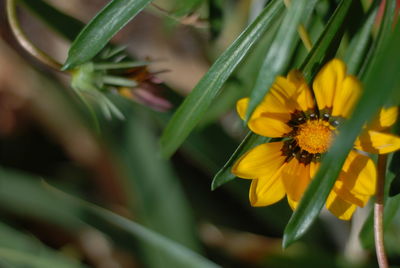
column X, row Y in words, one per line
column 74, row 196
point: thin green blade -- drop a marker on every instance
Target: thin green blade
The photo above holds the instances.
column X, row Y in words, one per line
column 328, row 42
column 46, row 202
column 197, row 103
column 279, row 54
column 101, row 29
column 358, row 46
column 224, row 175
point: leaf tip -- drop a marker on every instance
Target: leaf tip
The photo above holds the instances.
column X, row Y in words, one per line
column 214, row 184
column 67, row 65
column 287, row 241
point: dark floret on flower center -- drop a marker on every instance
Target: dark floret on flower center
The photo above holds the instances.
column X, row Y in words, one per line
column 311, row 136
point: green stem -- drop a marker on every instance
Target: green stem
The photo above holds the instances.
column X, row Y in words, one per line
column 378, row 213
column 23, row 39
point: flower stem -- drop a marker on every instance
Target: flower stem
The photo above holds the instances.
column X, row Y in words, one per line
column 378, row 212
column 23, row 39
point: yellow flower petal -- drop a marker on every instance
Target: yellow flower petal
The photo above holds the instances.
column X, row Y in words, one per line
column 285, row 96
column 281, row 97
column 293, row 204
column 346, row 95
column 328, row 79
column 269, row 127
column 386, row 118
column 262, row 161
column 359, row 174
column 305, row 100
column 348, row 196
column 264, row 110
column 357, row 180
column 266, row 190
column 295, row 178
column 377, row 142
column 340, row 208
column 241, row 107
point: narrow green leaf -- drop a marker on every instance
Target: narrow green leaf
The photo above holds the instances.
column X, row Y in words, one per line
column 197, row 103
column 387, row 22
column 279, row 54
column 119, row 65
column 41, row 196
column 184, row 257
column 118, row 81
column 224, row 175
column 20, row 194
column 63, row 24
column 384, row 31
column 101, row 29
column 383, row 76
column 157, row 195
column 24, row 249
column 327, row 43
column 32, row 260
column 359, row 44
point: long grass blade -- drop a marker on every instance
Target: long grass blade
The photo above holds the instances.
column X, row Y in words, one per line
column 101, row 29
column 197, row 103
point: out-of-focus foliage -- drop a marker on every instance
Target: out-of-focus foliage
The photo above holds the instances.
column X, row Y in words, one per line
column 74, row 196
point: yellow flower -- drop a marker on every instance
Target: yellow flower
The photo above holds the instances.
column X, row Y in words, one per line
column 308, row 125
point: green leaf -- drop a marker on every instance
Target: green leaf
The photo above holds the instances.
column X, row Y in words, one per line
column 327, row 43
column 184, row 257
column 29, row 195
column 384, row 31
column 224, row 175
column 157, row 195
column 63, row 24
column 23, row 249
column 32, row 260
column 280, row 52
column 101, row 29
column 383, row 76
column 199, row 100
column 20, row 194
column 359, row 44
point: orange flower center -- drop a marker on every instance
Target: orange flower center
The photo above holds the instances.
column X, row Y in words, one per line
column 314, row 136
